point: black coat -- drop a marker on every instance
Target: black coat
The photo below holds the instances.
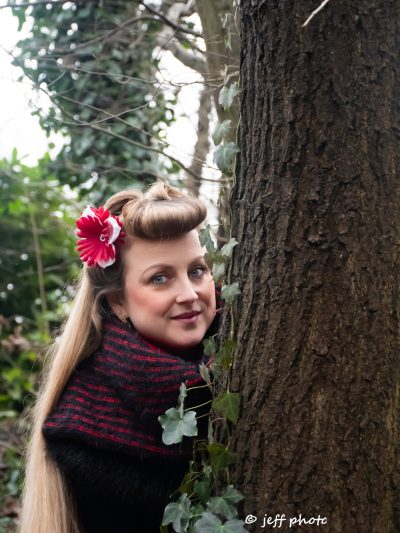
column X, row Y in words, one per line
column 105, row 436
column 117, row 494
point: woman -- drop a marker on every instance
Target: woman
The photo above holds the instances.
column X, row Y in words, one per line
column 96, row 462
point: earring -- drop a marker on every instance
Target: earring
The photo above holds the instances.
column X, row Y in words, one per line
column 124, row 319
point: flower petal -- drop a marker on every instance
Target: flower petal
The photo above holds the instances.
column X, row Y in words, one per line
column 114, row 229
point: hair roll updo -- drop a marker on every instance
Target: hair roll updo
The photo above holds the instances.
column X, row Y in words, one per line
column 161, row 212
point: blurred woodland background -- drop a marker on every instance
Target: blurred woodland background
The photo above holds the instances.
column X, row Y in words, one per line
column 111, row 107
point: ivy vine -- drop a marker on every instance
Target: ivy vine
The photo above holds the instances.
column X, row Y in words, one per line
column 208, row 501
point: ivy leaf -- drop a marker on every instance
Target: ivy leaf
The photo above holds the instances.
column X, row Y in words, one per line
column 20, row 14
column 229, row 292
column 220, row 457
column 218, row 505
column 227, row 248
column 224, row 354
column 218, row 271
column 216, row 368
column 227, row 95
column 228, row 404
column 209, row 523
column 232, row 495
column 224, row 156
column 205, row 374
column 209, row 346
column 178, row 514
column 225, row 504
column 176, row 426
column 206, row 239
column 203, row 489
column 220, row 131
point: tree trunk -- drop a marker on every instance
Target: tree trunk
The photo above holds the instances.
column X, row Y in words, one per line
column 202, row 146
column 222, row 62
column 222, row 68
column 315, row 209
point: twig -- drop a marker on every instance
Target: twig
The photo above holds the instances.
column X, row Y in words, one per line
column 40, row 272
column 170, row 22
column 315, row 12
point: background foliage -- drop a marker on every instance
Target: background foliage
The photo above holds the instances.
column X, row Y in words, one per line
column 98, row 63
column 100, row 75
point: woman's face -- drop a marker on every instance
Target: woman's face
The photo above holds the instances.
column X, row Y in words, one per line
column 169, row 292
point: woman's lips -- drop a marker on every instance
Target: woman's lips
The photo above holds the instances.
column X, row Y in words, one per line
column 187, row 318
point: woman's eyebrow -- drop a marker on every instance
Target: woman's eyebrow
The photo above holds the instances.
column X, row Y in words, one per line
column 165, row 265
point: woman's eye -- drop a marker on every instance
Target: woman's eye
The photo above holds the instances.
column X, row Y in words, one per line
column 198, row 272
column 159, row 279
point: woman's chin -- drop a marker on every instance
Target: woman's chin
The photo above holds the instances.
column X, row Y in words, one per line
column 182, row 344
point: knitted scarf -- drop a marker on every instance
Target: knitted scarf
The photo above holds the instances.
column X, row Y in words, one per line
column 113, row 398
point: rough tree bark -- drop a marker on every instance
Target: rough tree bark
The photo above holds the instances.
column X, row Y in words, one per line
column 316, row 212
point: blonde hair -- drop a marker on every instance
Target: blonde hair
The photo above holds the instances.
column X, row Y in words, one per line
column 161, row 212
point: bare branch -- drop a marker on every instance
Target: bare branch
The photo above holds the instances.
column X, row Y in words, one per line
column 151, row 149
column 112, row 32
column 315, row 12
column 171, row 23
column 167, row 40
column 186, row 58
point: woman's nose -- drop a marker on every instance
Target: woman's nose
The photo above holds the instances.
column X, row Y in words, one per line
column 186, row 291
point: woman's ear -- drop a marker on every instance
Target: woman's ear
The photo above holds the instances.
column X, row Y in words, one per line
column 115, row 301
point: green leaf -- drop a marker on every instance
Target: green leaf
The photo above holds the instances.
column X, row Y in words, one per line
column 205, row 374
column 227, row 95
column 206, row 239
column 224, row 355
column 232, row 495
column 225, row 504
column 209, row 523
column 176, row 426
column 228, row 404
column 21, row 15
column 210, row 347
column 227, row 248
column 16, row 207
column 218, row 505
column 218, row 271
column 178, row 514
column 220, row 131
column 224, row 157
column 220, row 457
column 8, row 414
column 203, row 489
column 229, row 292
column 216, row 368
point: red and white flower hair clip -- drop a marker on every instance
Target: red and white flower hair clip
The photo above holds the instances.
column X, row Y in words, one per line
column 100, row 234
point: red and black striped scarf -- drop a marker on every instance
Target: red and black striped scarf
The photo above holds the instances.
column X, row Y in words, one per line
column 114, row 397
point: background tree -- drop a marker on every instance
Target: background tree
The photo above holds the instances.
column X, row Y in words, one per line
column 315, row 209
column 99, row 61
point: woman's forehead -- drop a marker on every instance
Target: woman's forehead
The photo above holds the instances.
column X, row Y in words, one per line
column 186, row 247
